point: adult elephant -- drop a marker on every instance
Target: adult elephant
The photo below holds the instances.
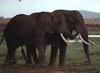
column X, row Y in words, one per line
column 22, row 30
column 30, row 31
column 75, row 22
column 54, row 24
column 63, row 21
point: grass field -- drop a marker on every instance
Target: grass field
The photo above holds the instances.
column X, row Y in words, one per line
column 74, row 55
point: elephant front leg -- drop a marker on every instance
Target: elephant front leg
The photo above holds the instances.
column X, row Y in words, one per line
column 54, row 50
column 62, row 54
column 41, row 56
column 29, row 53
column 40, row 44
column 41, row 51
column 86, row 50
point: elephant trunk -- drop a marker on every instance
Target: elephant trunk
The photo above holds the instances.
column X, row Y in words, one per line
column 83, row 34
column 83, row 40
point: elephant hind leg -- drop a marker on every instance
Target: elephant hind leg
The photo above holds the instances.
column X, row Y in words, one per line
column 10, row 58
column 31, row 53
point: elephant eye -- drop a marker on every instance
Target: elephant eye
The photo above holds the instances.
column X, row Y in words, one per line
column 74, row 32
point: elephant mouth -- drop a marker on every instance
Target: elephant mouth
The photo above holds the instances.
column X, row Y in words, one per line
column 66, row 41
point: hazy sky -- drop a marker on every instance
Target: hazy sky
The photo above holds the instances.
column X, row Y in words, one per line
column 10, row 8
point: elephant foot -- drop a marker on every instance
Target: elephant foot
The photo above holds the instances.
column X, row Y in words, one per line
column 10, row 62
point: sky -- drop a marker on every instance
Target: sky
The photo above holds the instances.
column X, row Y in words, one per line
column 10, row 8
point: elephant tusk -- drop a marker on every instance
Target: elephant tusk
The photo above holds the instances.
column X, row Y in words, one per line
column 93, row 43
column 66, row 41
column 83, row 39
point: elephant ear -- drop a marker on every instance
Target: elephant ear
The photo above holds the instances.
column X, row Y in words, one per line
column 62, row 26
column 45, row 22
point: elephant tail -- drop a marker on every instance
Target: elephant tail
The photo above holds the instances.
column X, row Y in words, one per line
column 2, row 39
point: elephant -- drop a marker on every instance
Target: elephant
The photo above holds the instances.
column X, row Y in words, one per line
column 22, row 30
column 55, row 23
column 73, row 21
column 30, row 30
column 18, row 32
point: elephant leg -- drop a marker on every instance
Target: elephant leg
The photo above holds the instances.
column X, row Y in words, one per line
column 62, row 51
column 34, row 55
column 54, row 50
column 28, row 54
column 39, row 43
column 41, row 52
column 86, row 49
column 84, row 35
column 10, row 59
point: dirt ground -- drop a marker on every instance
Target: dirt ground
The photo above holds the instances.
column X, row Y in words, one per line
column 49, row 69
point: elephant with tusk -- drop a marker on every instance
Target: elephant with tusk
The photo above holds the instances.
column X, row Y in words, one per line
column 55, row 23
column 63, row 21
column 75, row 22
column 31, row 30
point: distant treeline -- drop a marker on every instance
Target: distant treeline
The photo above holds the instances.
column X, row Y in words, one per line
column 93, row 25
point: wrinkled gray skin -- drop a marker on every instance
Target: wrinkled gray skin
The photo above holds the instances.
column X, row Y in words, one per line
column 20, row 31
column 74, row 22
column 31, row 31
column 59, row 26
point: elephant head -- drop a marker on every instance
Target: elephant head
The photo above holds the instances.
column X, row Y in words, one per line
column 75, row 22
